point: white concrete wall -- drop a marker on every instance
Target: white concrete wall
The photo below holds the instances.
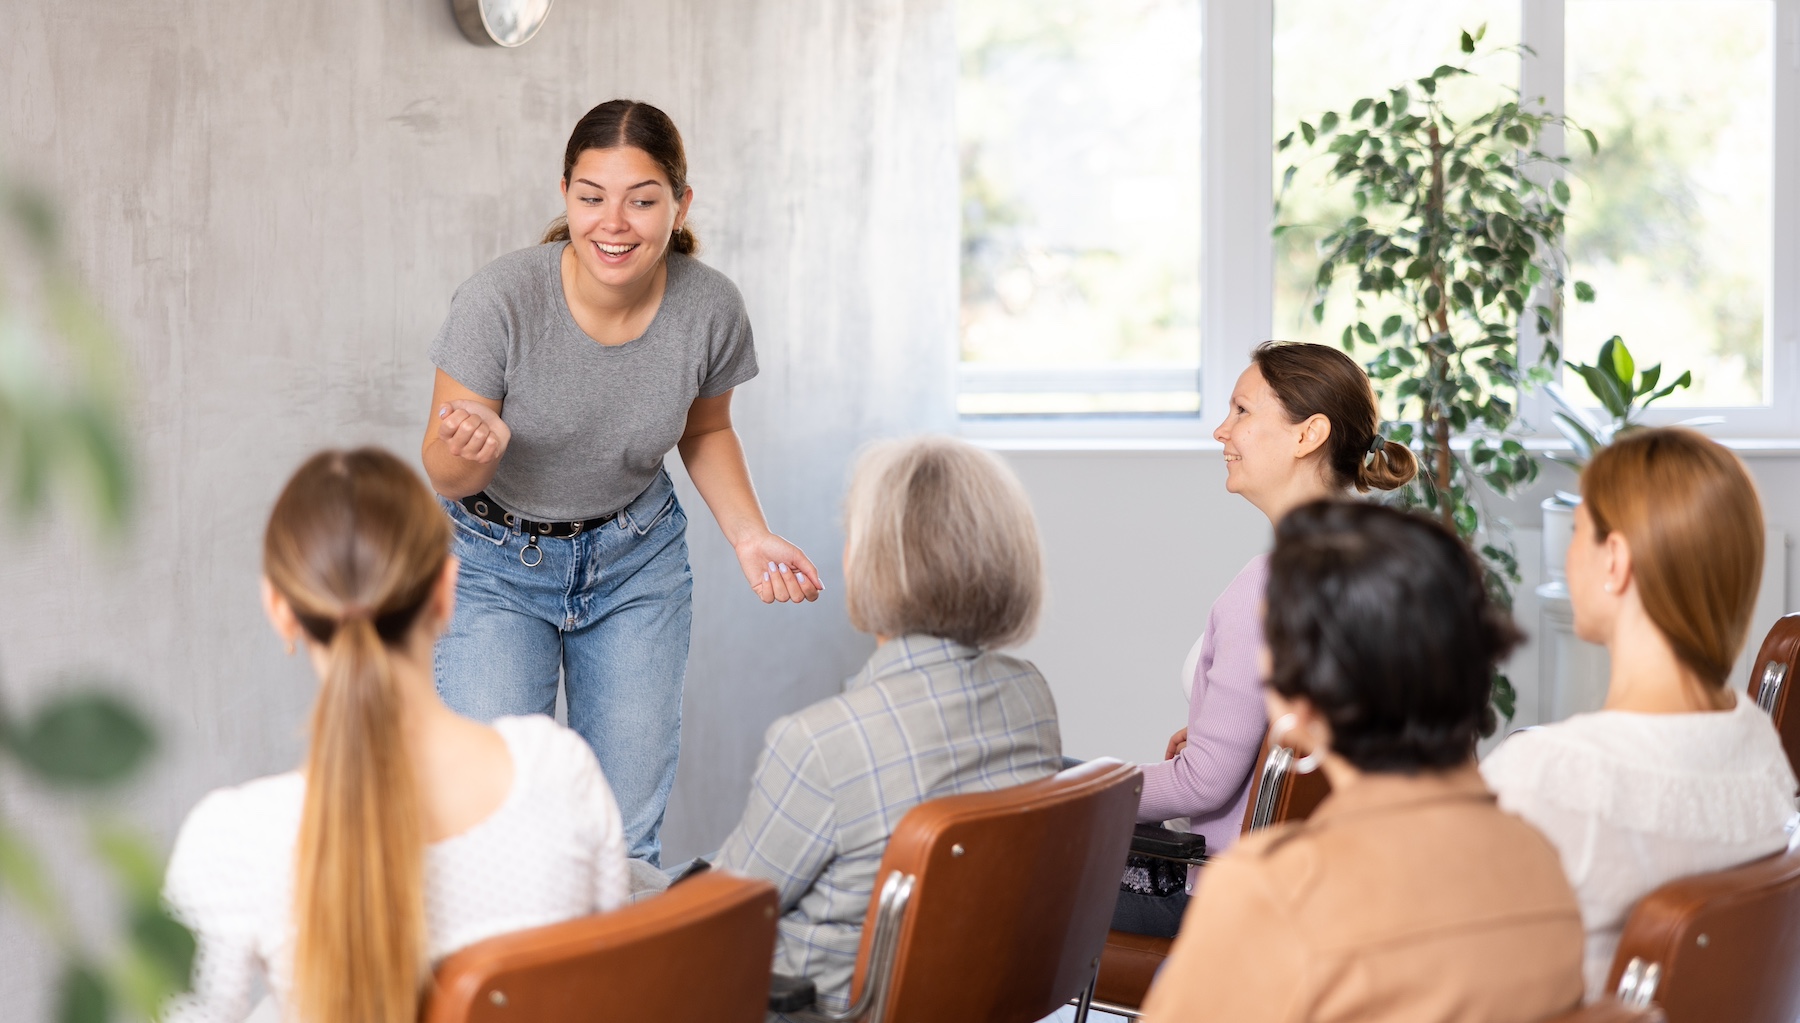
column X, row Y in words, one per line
column 275, row 202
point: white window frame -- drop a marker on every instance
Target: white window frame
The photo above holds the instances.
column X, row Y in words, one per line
column 1237, row 251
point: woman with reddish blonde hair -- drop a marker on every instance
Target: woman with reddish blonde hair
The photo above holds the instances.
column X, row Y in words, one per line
column 1677, row 774
column 409, row 832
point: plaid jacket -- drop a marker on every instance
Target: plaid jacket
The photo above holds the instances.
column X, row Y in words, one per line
column 924, row 718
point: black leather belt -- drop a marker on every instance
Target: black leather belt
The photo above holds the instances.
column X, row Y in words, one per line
column 484, row 507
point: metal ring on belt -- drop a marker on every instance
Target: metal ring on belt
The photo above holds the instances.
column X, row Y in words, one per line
column 486, row 508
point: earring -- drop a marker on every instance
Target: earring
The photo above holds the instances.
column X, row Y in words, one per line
column 1305, row 765
column 1608, row 587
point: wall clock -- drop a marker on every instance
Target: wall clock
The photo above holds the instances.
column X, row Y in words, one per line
column 501, row 22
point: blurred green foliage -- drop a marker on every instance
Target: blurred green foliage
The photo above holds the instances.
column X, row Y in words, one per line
column 62, row 433
column 1456, row 235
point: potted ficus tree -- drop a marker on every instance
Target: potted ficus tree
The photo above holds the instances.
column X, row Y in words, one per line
column 1624, row 392
column 1455, row 242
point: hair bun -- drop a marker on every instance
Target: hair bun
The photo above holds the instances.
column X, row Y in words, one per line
column 1389, row 467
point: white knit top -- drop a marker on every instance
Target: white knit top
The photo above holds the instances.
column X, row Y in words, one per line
column 553, row 850
column 1632, row 801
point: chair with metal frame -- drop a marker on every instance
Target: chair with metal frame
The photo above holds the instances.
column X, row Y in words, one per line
column 1716, row 946
column 991, row 905
column 1773, row 676
column 717, row 927
column 1130, row 961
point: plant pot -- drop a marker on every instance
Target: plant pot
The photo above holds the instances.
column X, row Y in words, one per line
column 1559, row 529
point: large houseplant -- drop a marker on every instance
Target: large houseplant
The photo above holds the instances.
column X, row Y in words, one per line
column 61, row 430
column 1454, row 243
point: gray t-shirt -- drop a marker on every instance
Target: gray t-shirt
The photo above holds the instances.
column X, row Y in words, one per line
column 590, row 422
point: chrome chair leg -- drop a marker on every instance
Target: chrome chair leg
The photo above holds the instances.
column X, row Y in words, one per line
column 1086, row 1001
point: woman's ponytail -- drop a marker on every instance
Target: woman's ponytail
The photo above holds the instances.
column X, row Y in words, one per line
column 360, row 946
column 356, row 545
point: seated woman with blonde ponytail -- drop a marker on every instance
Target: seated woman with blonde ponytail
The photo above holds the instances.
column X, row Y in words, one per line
column 409, row 832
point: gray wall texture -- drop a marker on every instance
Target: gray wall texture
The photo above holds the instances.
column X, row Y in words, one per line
column 274, row 203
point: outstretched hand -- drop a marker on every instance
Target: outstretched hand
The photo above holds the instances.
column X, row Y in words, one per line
column 472, row 431
column 778, row 570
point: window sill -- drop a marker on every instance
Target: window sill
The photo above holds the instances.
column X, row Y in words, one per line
column 1141, row 440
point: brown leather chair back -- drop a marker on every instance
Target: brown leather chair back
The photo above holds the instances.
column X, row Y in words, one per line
column 1278, row 793
column 1011, row 895
column 697, row 953
column 1773, row 676
column 1719, row 946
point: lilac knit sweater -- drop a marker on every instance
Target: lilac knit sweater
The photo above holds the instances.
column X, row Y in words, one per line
column 1209, row 782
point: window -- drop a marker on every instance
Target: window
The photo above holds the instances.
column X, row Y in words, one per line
column 1671, row 218
column 1327, row 55
column 1111, row 174
column 1079, row 124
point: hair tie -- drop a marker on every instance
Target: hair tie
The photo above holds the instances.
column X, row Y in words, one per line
column 1377, row 444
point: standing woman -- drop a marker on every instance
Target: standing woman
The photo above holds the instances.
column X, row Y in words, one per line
column 565, row 374
column 1302, row 427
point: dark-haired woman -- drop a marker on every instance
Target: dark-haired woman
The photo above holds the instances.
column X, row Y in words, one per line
column 1409, row 895
column 566, row 373
column 409, row 832
column 1302, row 426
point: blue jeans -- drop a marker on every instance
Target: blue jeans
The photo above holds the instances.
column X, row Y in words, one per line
column 611, row 611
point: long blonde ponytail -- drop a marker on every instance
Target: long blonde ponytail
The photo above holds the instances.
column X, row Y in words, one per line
column 355, row 544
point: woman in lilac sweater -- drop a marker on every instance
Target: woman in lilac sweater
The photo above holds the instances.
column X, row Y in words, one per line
column 1302, row 426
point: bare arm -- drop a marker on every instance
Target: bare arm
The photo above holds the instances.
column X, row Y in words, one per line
column 464, row 440
column 775, row 568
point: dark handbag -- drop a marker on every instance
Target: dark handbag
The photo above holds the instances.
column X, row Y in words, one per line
column 1159, row 859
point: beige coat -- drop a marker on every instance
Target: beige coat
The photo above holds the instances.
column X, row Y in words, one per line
column 1402, row 899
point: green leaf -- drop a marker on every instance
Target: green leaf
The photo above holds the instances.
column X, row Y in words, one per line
column 1519, row 134
column 1584, row 292
column 1468, row 43
column 23, row 875
column 1605, row 388
column 1363, row 331
column 83, row 739
column 1681, row 381
column 1505, row 698
column 1307, row 133
column 1360, row 107
column 1462, row 293
column 1623, row 366
column 1328, row 123
column 165, row 945
column 83, row 996
column 1391, row 325
column 1286, row 141
column 1433, row 298
column 1647, row 383
column 1465, row 520
column 1593, row 143
column 133, row 861
column 1560, row 189
column 1381, row 113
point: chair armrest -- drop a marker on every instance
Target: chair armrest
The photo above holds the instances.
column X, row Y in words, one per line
column 1163, row 844
column 791, row 994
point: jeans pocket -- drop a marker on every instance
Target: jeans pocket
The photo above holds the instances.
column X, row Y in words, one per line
column 468, row 525
column 641, row 525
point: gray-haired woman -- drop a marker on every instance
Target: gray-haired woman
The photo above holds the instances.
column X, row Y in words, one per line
column 941, row 566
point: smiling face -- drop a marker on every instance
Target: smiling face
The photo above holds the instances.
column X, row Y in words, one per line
column 1264, row 451
column 622, row 212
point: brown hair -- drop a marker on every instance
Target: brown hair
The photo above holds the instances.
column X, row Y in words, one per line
column 626, row 122
column 355, row 544
column 941, row 542
column 1318, row 380
column 1690, row 513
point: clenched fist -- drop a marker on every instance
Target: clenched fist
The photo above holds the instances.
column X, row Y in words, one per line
column 472, row 431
